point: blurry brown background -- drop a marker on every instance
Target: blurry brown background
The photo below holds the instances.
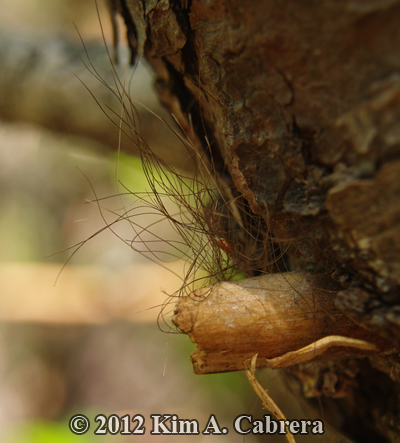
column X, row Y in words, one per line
column 89, row 343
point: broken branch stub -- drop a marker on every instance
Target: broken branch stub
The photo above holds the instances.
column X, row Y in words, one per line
column 271, row 315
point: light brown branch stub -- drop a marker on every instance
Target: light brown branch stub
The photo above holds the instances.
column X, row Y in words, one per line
column 284, row 318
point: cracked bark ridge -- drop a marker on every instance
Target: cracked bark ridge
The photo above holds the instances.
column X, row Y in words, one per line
column 302, row 105
column 300, row 102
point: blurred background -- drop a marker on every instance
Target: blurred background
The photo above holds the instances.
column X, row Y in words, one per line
column 80, row 335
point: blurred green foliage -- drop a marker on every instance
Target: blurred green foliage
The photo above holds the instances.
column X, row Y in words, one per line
column 47, row 432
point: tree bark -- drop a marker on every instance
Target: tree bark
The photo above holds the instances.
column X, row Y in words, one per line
column 299, row 102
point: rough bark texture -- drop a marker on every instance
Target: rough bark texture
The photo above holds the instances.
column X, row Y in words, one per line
column 300, row 101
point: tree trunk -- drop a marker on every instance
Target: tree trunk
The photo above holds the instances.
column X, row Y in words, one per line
column 299, row 102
